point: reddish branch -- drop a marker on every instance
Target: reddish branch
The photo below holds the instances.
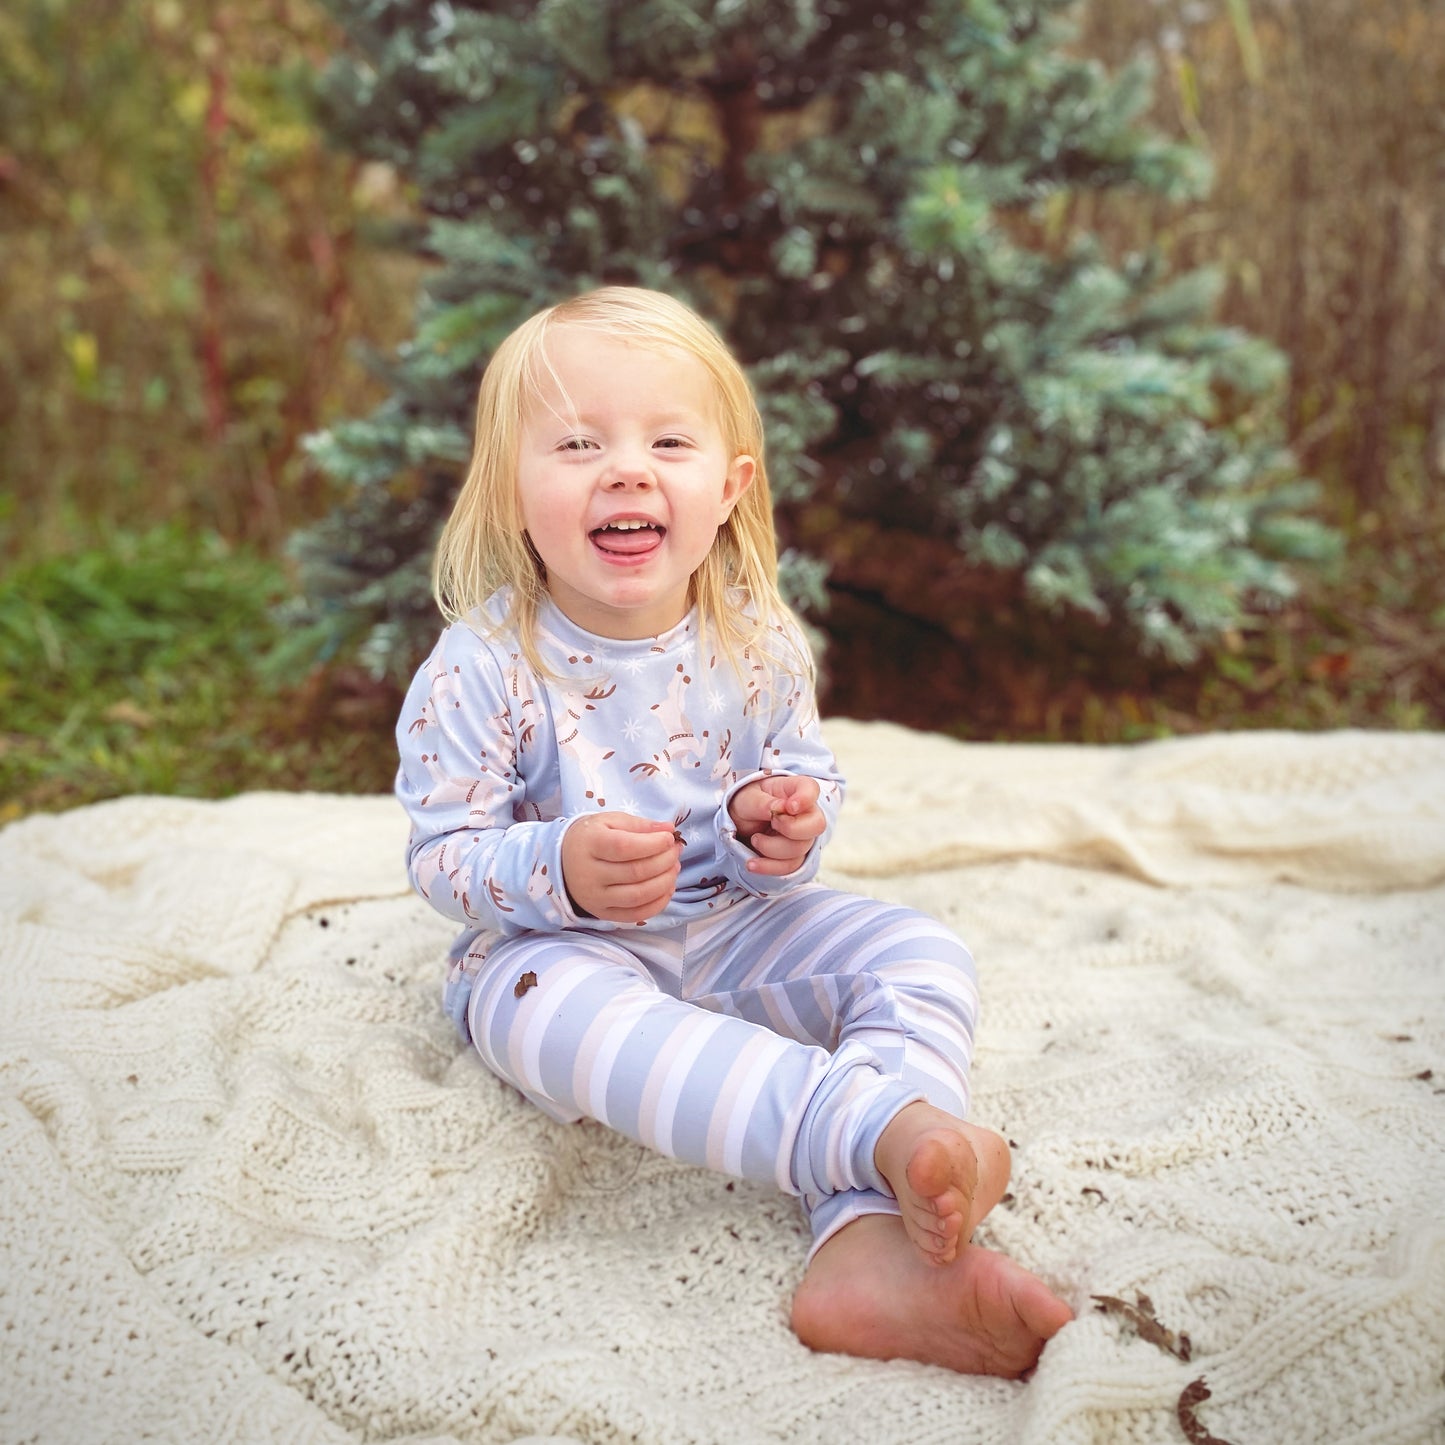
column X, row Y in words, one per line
column 213, row 364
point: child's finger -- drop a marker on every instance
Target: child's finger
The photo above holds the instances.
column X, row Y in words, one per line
column 617, row 844
column 631, row 903
column 630, row 823
column 781, row 786
column 803, row 826
column 667, row 864
column 753, row 803
column 628, row 905
column 775, row 867
column 792, row 793
column 804, row 795
column 774, row 845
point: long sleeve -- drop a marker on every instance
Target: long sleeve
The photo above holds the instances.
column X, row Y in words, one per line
column 480, row 851
column 793, row 744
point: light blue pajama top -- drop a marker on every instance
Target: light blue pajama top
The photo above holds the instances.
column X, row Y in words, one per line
column 497, row 762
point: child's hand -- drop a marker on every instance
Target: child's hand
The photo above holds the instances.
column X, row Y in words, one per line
column 778, row 817
column 619, row 867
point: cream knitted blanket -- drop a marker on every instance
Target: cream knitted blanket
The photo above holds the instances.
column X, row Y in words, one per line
column 251, row 1189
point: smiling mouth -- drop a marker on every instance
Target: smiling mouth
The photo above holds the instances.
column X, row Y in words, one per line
column 627, row 539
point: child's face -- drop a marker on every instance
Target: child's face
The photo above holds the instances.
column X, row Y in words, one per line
column 639, row 443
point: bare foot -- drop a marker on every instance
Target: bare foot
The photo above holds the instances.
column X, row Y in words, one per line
column 869, row 1292
column 945, row 1174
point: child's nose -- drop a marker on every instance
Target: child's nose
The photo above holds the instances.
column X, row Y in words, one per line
column 630, row 468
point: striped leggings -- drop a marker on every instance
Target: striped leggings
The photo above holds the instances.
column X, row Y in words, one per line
column 773, row 1041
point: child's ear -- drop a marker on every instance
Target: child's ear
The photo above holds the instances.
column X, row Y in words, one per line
column 737, row 481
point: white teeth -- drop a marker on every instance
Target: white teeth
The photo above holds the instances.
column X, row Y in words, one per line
column 632, row 526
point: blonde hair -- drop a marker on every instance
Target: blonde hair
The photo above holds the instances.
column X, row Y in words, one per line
column 484, row 545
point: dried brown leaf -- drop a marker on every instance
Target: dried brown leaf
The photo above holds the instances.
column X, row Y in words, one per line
column 1146, row 1325
column 1195, row 1393
column 527, row 980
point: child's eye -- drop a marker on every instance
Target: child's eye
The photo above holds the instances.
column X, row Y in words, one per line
column 671, row 442
column 577, row 444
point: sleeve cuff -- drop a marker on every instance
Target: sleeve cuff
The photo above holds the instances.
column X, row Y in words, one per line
column 526, row 889
column 736, row 854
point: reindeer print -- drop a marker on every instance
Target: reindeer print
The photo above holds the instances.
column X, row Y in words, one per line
column 446, row 685
column 443, row 695
column 501, row 724
column 539, row 886
column 588, row 755
column 460, row 893
column 522, row 703
column 480, row 794
column 756, row 684
column 711, row 888
column 498, row 896
column 681, row 740
column 722, row 769
column 576, row 705
column 439, row 869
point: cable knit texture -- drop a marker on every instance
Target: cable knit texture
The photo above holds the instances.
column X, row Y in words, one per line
column 252, row 1188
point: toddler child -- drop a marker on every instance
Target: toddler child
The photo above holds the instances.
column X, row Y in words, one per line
column 618, row 788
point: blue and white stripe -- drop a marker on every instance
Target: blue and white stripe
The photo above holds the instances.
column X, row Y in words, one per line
column 772, row 1041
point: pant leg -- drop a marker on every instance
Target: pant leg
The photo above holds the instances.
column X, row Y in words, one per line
column 602, row 1033
column 846, row 973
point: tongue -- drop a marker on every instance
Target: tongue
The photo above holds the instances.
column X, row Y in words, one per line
column 644, row 539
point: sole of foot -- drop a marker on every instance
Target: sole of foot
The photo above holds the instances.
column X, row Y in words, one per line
column 945, row 1174
column 870, row 1292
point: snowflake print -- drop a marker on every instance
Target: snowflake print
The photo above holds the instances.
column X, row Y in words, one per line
column 632, row 729
column 633, row 665
column 716, row 702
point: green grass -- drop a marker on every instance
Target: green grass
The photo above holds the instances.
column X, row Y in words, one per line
column 139, row 668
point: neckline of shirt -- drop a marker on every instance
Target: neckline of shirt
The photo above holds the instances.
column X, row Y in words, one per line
column 560, row 628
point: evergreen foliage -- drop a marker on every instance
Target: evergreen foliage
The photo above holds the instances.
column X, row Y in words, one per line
column 871, row 200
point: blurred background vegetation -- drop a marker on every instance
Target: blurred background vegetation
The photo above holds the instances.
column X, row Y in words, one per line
column 193, row 280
